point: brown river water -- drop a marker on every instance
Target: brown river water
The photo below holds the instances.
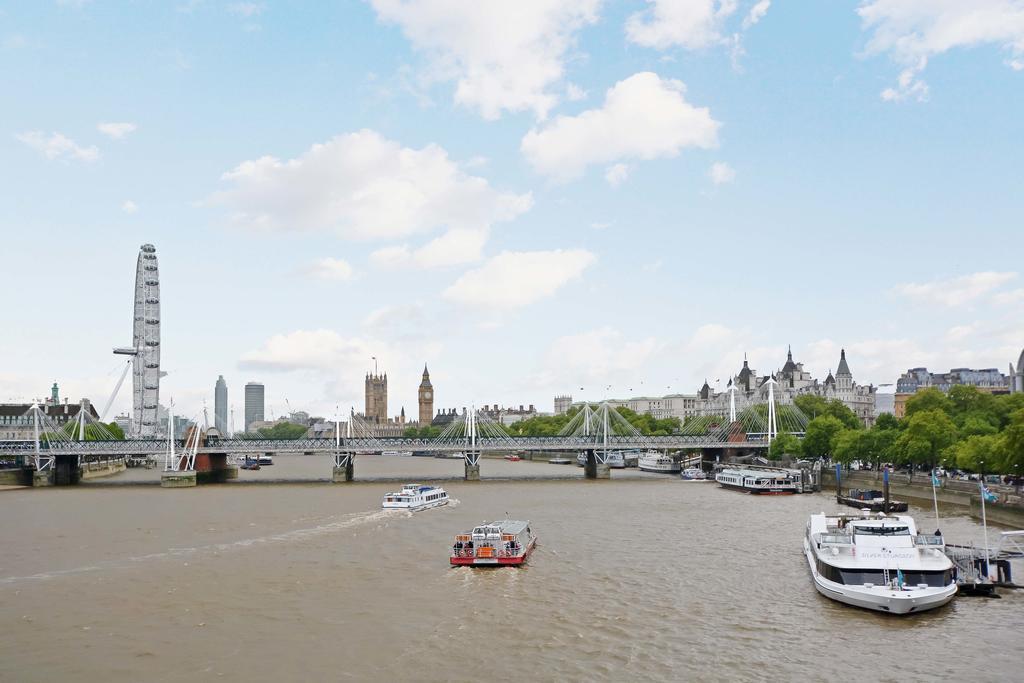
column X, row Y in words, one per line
column 641, row 578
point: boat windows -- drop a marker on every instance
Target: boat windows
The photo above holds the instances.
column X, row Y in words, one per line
column 881, row 530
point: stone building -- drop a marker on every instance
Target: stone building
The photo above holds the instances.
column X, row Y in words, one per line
column 17, row 422
column 562, row 404
column 376, row 398
column 426, row 398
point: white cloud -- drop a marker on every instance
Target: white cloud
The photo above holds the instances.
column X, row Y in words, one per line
column 721, row 172
column 503, row 56
column 692, row 24
column 616, row 174
column 914, row 31
column 601, row 225
column 956, row 291
column 364, row 186
column 598, row 356
column 247, row 9
column 455, row 247
column 309, row 350
column 391, row 257
column 515, row 279
column 756, row 13
column 1008, row 297
column 330, row 269
column 116, row 130
column 575, row 93
column 643, row 117
column 57, row 146
column 128, row 206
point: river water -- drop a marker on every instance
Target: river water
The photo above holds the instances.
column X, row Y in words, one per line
column 644, row 577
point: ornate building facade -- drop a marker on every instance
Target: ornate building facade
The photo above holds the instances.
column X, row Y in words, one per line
column 426, row 398
column 376, row 398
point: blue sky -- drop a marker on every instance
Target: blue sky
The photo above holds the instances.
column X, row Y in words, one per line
column 619, row 196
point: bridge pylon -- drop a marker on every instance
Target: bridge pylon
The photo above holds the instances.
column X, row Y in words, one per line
column 344, row 460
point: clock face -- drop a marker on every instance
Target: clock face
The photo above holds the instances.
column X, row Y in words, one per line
column 426, row 395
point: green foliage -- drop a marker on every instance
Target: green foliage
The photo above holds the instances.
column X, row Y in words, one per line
column 424, row 432
column 820, row 435
column 927, row 434
column 929, row 399
column 1012, row 444
column 92, row 432
column 784, row 444
column 283, row 430
column 977, row 452
column 886, row 421
column 814, row 406
column 867, row 446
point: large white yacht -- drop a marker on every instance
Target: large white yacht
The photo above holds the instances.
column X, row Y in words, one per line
column 653, row 461
column 416, row 497
column 760, row 480
column 878, row 562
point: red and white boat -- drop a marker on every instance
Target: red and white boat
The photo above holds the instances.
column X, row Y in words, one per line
column 493, row 544
column 512, row 457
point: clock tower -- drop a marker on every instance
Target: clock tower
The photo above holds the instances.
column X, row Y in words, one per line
column 426, row 397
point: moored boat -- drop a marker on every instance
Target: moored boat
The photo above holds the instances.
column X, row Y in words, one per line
column 653, row 461
column 761, row 480
column 869, row 499
column 878, row 562
column 693, row 474
column 415, row 497
column 512, row 457
column 494, row 544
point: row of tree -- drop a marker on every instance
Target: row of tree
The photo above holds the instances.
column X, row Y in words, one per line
column 967, row 429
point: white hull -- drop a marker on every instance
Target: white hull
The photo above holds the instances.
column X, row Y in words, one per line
column 879, row 598
column 416, row 508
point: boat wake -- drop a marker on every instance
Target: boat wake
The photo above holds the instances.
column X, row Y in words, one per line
column 349, row 521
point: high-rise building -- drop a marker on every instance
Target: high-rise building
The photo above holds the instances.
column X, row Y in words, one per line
column 377, row 398
column 220, row 406
column 426, row 396
column 253, row 403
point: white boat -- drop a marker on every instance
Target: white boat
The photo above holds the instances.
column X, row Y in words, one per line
column 878, row 562
column 397, row 453
column 653, row 461
column 615, row 459
column 416, row 497
column 693, row 474
column 761, row 480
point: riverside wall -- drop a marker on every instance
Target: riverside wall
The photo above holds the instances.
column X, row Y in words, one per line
column 105, row 468
column 1007, row 510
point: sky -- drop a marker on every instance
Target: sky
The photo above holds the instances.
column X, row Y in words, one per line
column 534, row 198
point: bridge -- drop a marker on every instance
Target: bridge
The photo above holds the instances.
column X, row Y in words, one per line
column 59, row 451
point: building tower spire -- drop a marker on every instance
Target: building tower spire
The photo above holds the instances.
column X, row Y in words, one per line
column 426, row 399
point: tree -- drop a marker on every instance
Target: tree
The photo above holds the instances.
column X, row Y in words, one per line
column 927, row 435
column 821, row 431
column 886, row 421
column 813, row 406
column 424, row 432
column 1012, row 445
column 283, row 430
column 970, row 453
column 784, row 444
column 929, row 399
column 849, row 446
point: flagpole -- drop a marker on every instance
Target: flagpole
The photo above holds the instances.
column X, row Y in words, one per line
column 984, row 522
column 935, row 500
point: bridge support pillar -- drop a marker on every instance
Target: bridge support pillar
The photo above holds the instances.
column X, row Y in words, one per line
column 342, row 474
column 43, row 478
column 590, row 465
column 602, row 471
column 178, row 480
column 472, row 472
